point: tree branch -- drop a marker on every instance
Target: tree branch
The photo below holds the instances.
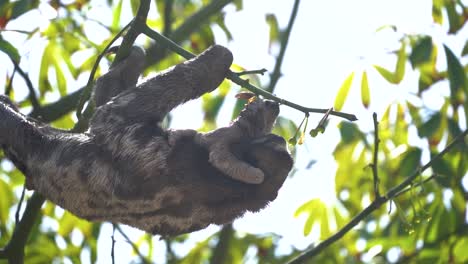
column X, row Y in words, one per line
column 14, row 250
column 221, row 251
column 236, row 79
column 377, row 203
column 276, row 74
column 86, row 94
column 167, row 25
column 32, row 93
column 157, row 52
column 134, row 247
column 374, row 164
column 20, row 203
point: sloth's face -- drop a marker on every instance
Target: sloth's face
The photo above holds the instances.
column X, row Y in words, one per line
column 261, row 115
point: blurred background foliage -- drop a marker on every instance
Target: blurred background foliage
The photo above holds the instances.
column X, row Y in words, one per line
column 427, row 223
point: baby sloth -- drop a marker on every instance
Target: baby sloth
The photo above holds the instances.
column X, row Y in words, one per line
column 256, row 120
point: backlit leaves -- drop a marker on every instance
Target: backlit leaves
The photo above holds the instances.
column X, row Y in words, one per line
column 456, row 75
column 9, row 49
column 421, row 52
column 396, row 76
column 274, row 29
column 343, row 92
column 317, row 215
column 365, row 93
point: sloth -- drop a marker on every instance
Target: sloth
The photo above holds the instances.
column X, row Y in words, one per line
column 127, row 169
column 255, row 120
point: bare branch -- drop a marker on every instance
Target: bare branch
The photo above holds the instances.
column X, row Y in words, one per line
column 374, row 164
column 261, row 72
column 32, row 93
column 86, row 93
column 276, row 74
column 135, row 248
column 20, row 203
column 113, row 243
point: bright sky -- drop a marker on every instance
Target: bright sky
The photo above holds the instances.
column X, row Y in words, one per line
column 329, row 40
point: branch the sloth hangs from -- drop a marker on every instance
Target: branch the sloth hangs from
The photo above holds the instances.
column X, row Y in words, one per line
column 128, row 169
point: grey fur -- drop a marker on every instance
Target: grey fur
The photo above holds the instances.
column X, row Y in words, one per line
column 123, row 169
column 255, row 121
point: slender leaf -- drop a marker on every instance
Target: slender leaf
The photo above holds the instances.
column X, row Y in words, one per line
column 410, row 162
column 116, row 15
column 47, row 60
column 431, row 126
column 456, row 74
column 343, row 92
column 465, row 49
column 437, row 11
column 10, row 50
column 272, row 22
column 60, row 77
column 365, row 93
column 421, row 52
column 388, row 75
column 401, row 63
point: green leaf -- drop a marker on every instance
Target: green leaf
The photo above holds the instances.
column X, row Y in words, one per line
column 365, row 93
column 22, row 6
column 455, row 19
column 410, row 161
column 437, row 11
column 456, row 74
column 315, row 209
column 343, row 92
column 222, row 24
column 388, row 75
column 6, row 200
column 421, row 52
column 430, row 126
column 324, row 223
column 9, row 50
column 116, row 15
column 465, row 49
column 349, row 132
column 239, row 4
column 47, row 59
column 274, row 28
column 60, row 77
column 460, row 252
column 443, row 172
column 401, row 63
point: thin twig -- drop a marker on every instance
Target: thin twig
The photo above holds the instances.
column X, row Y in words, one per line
column 167, row 28
column 420, row 183
column 14, row 250
column 261, row 72
column 32, row 93
column 377, row 203
column 134, row 247
column 276, row 74
column 374, row 164
column 85, row 95
column 113, row 244
column 9, row 86
column 20, row 203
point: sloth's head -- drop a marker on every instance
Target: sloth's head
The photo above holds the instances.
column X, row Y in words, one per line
column 258, row 116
